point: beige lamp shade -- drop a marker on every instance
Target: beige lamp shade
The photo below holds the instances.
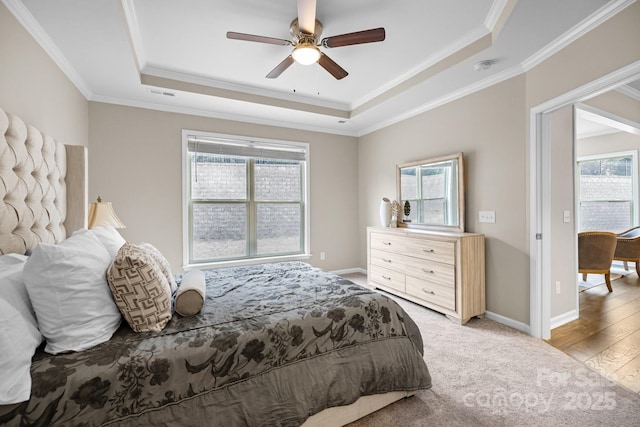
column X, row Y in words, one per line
column 102, row 213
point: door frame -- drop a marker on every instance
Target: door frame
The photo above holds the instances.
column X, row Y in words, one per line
column 540, row 191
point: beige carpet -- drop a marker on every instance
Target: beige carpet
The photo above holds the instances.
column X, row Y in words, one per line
column 487, row 374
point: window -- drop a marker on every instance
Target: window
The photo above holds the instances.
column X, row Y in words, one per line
column 606, row 185
column 244, row 199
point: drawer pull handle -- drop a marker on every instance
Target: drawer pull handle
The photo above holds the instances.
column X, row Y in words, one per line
column 386, row 260
column 425, row 290
column 428, row 271
column 386, row 277
column 429, row 250
column 386, row 243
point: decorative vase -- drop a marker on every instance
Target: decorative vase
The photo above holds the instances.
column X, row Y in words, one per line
column 385, row 212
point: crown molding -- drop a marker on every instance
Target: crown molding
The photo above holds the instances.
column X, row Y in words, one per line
column 24, row 17
column 601, row 15
column 629, row 91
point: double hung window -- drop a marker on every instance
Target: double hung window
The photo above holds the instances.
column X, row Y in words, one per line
column 245, row 199
column 606, row 191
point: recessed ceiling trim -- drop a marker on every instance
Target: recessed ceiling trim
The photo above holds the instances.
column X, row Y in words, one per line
column 601, row 15
column 239, row 96
column 218, row 115
column 24, row 17
column 606, row 118
column 135, row 37
column 455, row 58
column 498, row 16
column 450, row 97
column 248, row 90
column 472, row 44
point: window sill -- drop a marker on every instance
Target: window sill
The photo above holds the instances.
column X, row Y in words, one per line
column 252, row 261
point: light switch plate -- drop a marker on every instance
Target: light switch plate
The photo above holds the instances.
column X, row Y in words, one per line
column 487, row 216
column 566, row 216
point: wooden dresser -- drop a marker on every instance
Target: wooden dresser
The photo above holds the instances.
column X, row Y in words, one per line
column 440, row 270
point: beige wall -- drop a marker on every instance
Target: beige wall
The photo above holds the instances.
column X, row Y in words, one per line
column 612, row 143
column 492, row 128
column 606, row 48
column 489, row 127
column 35, row 89
column 618, row 104
column 135, row 162
column 563, row 235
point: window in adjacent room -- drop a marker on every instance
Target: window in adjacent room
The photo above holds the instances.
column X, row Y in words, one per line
column 245, row 199
column 606, row 195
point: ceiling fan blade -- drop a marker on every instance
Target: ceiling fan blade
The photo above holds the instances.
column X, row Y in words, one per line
column 334, row 69
column 359, row 37
column 307, row 16
column 286, row 63
column 259, row 39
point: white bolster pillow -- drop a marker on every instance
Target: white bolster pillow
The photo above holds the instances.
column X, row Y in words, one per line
column 190, row 296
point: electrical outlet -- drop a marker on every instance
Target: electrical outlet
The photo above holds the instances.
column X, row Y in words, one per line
column 558, row 288
column 322, row 256
column 487, row 216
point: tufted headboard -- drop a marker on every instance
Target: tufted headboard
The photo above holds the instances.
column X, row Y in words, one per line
column 43, row 187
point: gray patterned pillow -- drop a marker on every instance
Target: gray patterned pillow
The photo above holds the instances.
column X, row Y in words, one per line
column 140, row 289
column 163, row 263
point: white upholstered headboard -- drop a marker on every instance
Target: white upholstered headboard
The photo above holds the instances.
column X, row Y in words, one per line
column 43, row 187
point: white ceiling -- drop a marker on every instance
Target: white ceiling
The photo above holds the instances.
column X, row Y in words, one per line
column 135, row 52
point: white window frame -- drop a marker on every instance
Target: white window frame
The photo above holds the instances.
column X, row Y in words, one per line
column 186, row 180
column 634, row 181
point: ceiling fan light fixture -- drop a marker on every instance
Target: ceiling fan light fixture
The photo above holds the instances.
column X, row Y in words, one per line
column 306, row 54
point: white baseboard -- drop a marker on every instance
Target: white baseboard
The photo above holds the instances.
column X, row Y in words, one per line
column 350, row 271
column 567, row 317
column 508, row 322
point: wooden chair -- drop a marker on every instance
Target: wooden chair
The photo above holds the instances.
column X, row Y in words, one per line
column 628, row 248
column 595, row 254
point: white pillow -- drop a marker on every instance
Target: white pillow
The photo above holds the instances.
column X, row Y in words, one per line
column 12, row 287
column 19, row 334
column 68, row 289
column 18, row 340
column 109, row 237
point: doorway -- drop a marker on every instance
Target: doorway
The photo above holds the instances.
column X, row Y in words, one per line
column 540, row 191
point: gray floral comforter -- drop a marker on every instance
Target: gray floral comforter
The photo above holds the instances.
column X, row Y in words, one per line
column 274, row 344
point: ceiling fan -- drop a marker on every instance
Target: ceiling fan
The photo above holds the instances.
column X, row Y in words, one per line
column 306, row 30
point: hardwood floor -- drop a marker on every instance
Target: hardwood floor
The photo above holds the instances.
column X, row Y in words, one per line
column 606, row 337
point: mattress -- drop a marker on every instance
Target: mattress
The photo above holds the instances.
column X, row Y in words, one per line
column 273, row 345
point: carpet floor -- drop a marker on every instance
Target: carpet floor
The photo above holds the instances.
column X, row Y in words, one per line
column 487, row 374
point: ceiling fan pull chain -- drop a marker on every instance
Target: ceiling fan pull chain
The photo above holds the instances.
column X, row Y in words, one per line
column 295, row 76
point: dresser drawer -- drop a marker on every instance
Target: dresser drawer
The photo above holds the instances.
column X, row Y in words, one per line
column 442, row 295
column 434, row 250
column 387, row 242
column 424, row 269
column 390, row 260
column 386, row 277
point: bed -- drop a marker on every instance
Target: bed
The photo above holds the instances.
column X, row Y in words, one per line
column 281, row 344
